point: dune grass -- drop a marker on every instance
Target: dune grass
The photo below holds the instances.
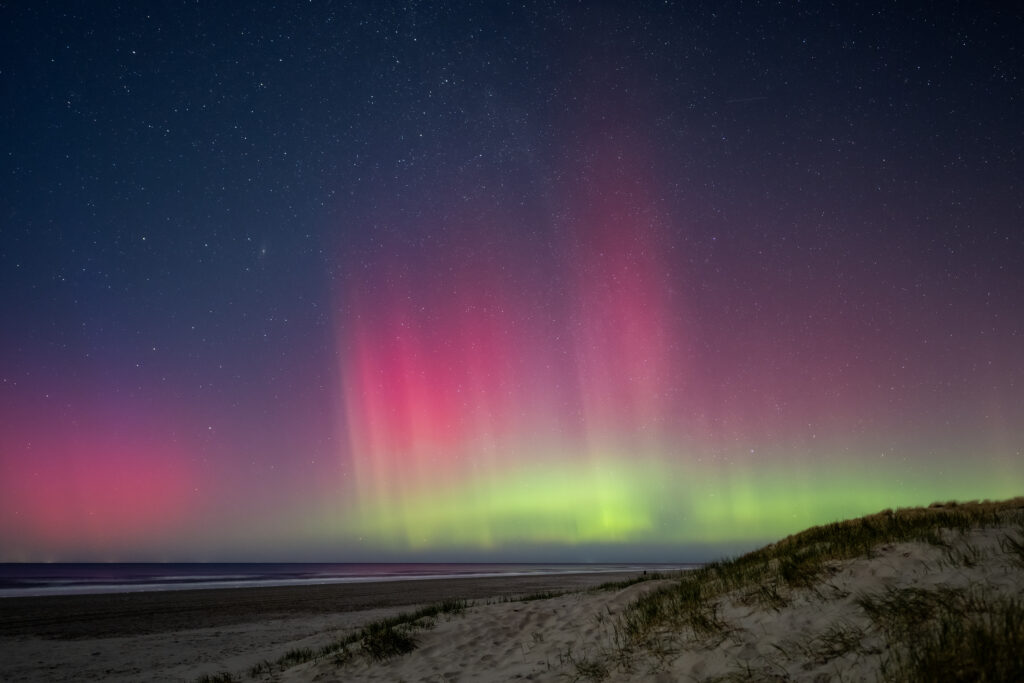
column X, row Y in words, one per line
column 953, row 634
column 632, row 581
column 379, row 640
column 530, row 597
column 949, row 635
column 223, row 677
column 393, row 636
column 1013, row 544
column 770, row 576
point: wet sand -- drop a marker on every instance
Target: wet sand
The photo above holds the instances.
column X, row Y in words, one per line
column 180, row 635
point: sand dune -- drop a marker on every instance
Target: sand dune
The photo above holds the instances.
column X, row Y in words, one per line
column 850, row 602
column 822, row 635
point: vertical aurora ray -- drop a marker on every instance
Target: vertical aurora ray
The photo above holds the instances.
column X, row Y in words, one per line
column 497, row 398
column 484, row 407
column 628, row 342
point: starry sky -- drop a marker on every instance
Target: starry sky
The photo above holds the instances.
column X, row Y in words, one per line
column 530, row 281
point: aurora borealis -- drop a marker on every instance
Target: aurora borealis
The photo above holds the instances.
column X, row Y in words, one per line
column 526, row 282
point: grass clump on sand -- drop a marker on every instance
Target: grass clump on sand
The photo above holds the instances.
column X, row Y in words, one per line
column 949, row 634
column 530, row 597
column 223, row 677
column 1014, row 545
column 381, row 640
column 769, row 576
column 378, row 640
column 393, row 636
column 626, row 583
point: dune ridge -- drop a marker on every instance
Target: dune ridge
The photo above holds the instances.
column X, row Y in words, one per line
column 915, row 594
column 912, row 594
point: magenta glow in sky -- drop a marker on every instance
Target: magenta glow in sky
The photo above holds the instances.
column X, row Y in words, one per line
column 503, row 283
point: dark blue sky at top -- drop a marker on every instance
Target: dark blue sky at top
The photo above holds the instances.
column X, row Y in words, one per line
column 189, row 188
column 193, row 176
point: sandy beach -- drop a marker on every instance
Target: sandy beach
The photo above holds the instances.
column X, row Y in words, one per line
column 182, row 635
column 893, row 596
column 820, row 634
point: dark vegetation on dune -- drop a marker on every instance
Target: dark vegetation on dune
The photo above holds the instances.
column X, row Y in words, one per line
column 946, row 634
column 950, row 635
column 378, row 640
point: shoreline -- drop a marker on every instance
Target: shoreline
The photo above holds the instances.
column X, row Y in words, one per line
column 16, row 586
column 105, row 615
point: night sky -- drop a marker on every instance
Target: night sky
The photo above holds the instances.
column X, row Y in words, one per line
column 553, row 281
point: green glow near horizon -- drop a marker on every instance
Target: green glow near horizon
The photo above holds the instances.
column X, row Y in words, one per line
column 614, row 500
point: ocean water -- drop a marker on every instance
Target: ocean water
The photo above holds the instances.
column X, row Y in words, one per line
column 69, row 579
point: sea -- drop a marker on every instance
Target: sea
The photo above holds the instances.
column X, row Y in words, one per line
column 27, row 579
